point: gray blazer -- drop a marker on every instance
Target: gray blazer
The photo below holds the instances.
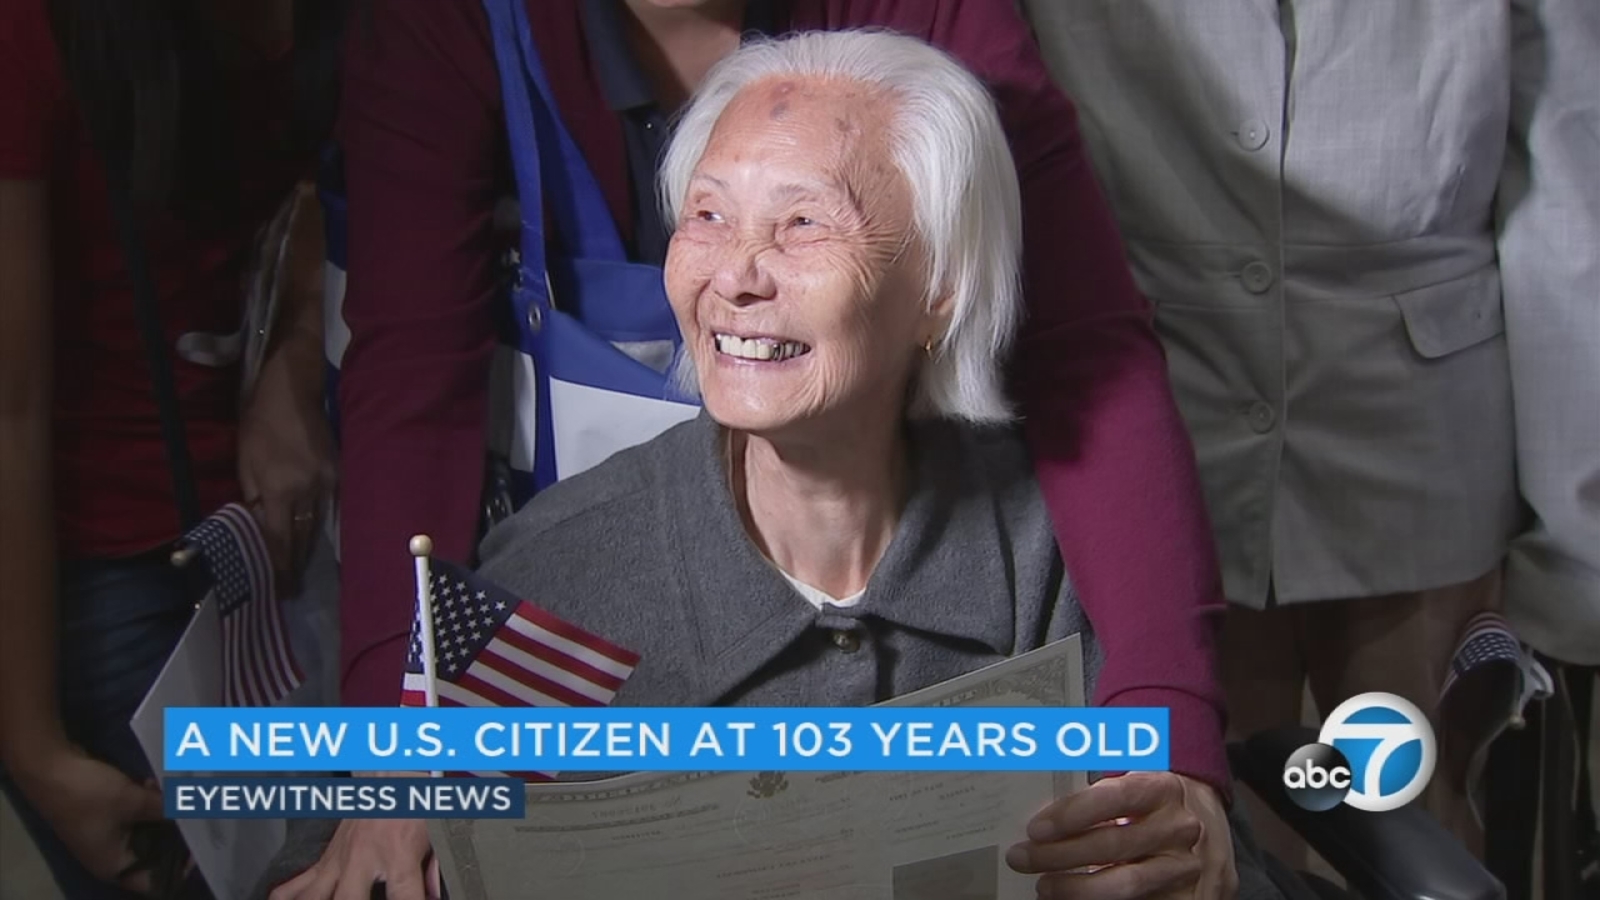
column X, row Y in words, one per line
column 1308, row 193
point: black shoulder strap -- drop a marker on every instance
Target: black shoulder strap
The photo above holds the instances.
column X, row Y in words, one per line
column 766, row 18
column 153, row 335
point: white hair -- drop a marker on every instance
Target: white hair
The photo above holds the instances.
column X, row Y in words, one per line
column 966, row 206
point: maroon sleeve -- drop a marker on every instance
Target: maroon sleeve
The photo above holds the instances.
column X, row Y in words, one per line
column 1112, row 453
column 418, row 128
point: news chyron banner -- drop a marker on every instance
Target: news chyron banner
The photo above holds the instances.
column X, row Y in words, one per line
column 484, row 755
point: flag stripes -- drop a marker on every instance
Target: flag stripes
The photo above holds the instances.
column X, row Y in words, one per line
column 258, row 664
column 494, row 649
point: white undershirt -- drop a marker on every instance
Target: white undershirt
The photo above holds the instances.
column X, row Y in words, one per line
column 819, row 597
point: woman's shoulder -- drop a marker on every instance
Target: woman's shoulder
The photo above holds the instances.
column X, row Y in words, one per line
column 984, row 459
column 985, row 471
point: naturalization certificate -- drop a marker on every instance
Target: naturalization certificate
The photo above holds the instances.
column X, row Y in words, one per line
column 790, row 835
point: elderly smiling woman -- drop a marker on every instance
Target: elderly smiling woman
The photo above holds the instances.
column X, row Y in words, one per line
column 853, row 516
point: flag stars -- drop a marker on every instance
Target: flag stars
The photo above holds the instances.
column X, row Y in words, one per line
column 467, row 615
column 472, row 618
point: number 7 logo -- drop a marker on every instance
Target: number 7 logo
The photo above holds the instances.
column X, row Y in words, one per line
column 1390, row 746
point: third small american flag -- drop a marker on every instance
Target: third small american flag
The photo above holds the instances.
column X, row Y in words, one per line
column 258, row 664
column 1486, row 639
column 493, row 648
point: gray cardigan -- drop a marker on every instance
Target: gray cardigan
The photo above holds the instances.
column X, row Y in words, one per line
column 647, row 550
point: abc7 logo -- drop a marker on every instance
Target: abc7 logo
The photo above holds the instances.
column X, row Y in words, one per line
column 1389, row 741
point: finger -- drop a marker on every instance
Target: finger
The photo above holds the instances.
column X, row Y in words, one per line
column 1130, row 796
column 1151, row 877
column 305, row 525
column 294, row 887
column 1108, row 844
column 330, row 873
column 276, row 515
column 1219, row 877
column 435, row 880
column 249, row 487
column 134, row 875
column 409, row 886
column 1220, row 882
column 356, row 883
column 141, row 803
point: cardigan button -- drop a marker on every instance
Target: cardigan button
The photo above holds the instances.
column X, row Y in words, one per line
column 846, row 641
column 1257, row 277
column 1261, row 417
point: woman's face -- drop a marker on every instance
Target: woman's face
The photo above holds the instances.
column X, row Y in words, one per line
column 792, row 271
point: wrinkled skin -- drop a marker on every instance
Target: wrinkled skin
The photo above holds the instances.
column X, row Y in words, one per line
column 1138, row 835
column 798, row 226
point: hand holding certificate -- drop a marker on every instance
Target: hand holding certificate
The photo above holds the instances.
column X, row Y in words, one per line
column 889, row 835
column 1138, row 835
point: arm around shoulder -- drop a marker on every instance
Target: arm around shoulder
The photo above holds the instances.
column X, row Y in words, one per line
column 419, row 133
column 1112, row 453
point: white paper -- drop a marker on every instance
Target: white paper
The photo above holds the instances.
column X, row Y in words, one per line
column 790, row 835
column 232, row 854
column 264, row 284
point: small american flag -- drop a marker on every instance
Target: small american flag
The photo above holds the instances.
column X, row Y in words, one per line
column 258, row 665
column 493, row 648
column 1487, row 638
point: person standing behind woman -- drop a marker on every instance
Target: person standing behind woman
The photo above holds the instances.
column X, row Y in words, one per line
column 185, row 109
column 1370, row 231
column 423, row 138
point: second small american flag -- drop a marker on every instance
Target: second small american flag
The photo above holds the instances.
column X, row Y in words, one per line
column 258, row 662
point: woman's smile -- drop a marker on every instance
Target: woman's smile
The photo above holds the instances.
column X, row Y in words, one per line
column 757, row 348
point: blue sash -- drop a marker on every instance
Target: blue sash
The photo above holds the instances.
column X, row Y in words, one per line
column 586, row 335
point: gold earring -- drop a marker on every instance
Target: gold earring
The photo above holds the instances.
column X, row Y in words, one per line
column 927, row 347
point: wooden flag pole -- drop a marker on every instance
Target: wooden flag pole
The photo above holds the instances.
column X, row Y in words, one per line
column 421, row 549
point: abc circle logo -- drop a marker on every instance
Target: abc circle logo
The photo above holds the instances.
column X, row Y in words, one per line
column 1376, row 752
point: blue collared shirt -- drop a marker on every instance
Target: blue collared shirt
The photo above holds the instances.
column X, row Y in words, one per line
column 645, row 126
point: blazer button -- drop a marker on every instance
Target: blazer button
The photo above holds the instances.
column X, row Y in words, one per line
column 846, row 641
column 1261, row 417
column 1257, row 277
column 1253, row 134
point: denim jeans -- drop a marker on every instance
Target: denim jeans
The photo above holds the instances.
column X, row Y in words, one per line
column 119, row 620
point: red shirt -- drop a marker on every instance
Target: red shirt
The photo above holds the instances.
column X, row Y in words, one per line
column 424, row 142
column 113, row 488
